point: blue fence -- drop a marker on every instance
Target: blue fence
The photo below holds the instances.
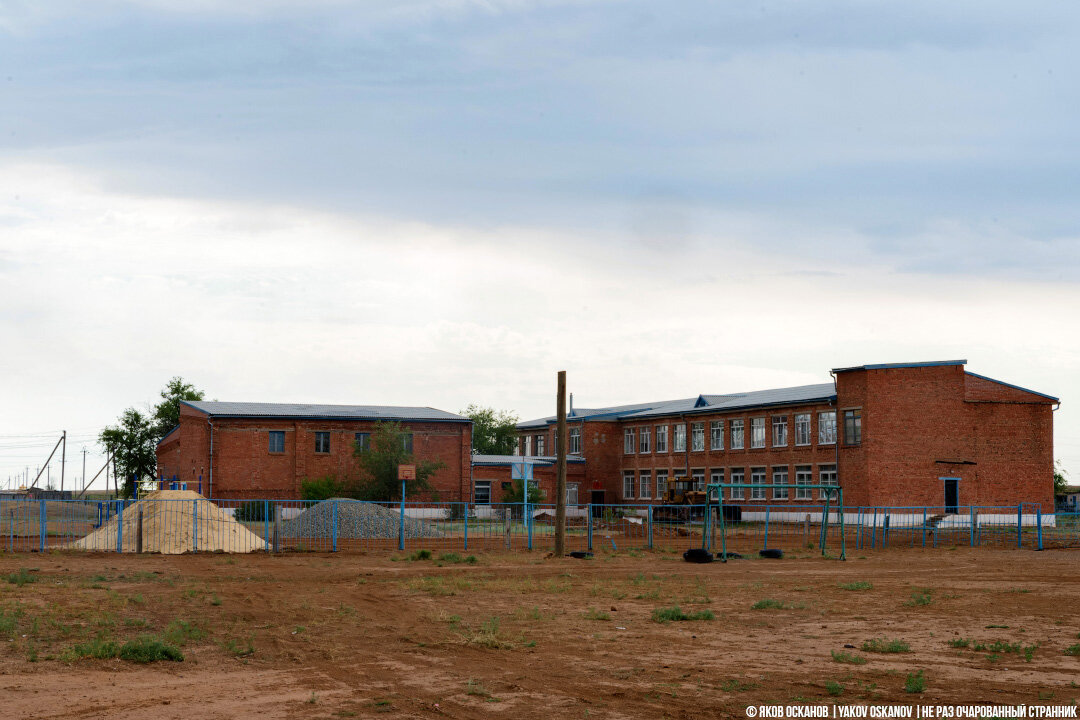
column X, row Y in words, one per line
column 199, row 525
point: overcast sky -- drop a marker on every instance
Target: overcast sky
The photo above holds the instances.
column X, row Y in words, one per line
column 438, row 202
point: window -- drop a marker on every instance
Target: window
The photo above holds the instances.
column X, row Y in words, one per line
column 680, row 437
column 406, row 442
column 698, row 476
column 716, row 475
column 757, row 432
column 363, row 441
column 827, row 476
column 661, row 483
column 716, row 435
column 661, row 438
column 779, row 477
column 571, row 494
column 482, row 492
column 852, row 427
column 737, row 434
column 826, row 428
column 803, row 476
column 575, row 441
column 757, row 477
column 643, row 439
column 738, row 477
column 322, row 442
column 802, row 428
column 779, row 430
column 628, row 441
column 527, row 442
column 540, row 444
column 628, row 484
column 645, row 484
column 277, row 441
column 697, row 437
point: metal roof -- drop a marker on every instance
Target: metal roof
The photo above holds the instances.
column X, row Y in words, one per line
column 613, row 412
column 542, row 460
column 890, row 366
column 758, row 398
column 322, row 412
column 1010, row 385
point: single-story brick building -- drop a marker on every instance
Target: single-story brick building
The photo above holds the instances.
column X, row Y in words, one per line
column 264, row 450
column 905, row 434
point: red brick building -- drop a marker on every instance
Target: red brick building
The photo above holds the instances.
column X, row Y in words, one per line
column 916, row 434
column 264, row 450
column 492, row 477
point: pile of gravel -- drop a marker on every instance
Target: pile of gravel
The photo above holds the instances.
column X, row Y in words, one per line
column 355, row 520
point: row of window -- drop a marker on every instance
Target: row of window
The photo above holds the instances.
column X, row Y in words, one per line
column 638, row 484
column 322, row 441
column 539, row 442
column 482, row 492
column 640, row 439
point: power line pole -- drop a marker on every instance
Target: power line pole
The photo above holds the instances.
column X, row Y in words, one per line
column 560, row 465
column 84, row 468
column 63, row 459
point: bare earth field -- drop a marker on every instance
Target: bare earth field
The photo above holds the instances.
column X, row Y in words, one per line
column 523, row 636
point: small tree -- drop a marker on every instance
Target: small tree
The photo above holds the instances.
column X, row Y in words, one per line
column 167, row 412
column 389, row 447
column 494, row 432
column 1060, row 483
column 324, row 488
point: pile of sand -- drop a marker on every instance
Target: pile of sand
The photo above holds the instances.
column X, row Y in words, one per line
column 174, row 522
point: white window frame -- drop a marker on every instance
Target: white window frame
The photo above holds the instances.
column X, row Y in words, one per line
column 716, row 475
column 661, row 438
column 802, row 429
column 856, row 423
column 827, row 476
column 678, row 442
column 826, row 423
column 541, row 441
column 322, row 435
column 804, row 475
column 573, row 497
column 697, row 437
column 779, row 431
column 574, row 436
column 697, row 476
column 758, row 476
column 644, row 439
column 738, row 477
column 645, row 484
column 780, row 477
column 738, row 433
column 476, row 487
column 628, row 484
column 757, row 432
column 528, row 445
column 629, row 441
column 661, row 483
column 716, row 435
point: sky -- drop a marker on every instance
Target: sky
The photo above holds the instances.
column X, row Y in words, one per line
column 444, row 202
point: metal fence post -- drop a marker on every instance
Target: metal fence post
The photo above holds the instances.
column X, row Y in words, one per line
column 873, row 532
column 266, row 524
column 765, row 545
column 971, row 524
column 1019, row 525
column 527, row 518
column 333, row 526
column 885, row 530
column 590, row 526
column 825, row 523
column 1038, row 525
column 650, row 528
column 924, row 527
column 401, row 526
column 195, row 526
column 43, row 525
column 119, row 526
column 467, row 526
column 139, row 530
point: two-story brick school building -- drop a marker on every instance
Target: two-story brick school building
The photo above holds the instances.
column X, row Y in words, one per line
column 915, row 434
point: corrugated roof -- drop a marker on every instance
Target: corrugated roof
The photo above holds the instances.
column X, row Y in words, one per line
column 542, row 460
column 736, row 401
column 322, row 412
column 613, row 412
column 890, row 366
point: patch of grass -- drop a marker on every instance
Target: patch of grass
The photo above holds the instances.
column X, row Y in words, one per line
column 733, row 685
column 420, row 555
column 960, row 642
column 883, row 645
column 9, row 621
column 834, row 688
column 848, row 658
column 454, row 559
column 237, row 649
column 767, row 604
column 22, row 577
column 594, row 614
column 487, row 636
column 476, row 688
column 676, row 614
column 180, row 632
column 98, row 648
column 1073, row 650
column 215, row 600
column 857, row 586
column 921, row 597
column 915, row 682
column 148, row 649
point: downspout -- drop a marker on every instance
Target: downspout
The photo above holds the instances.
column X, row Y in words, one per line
column 210, row 484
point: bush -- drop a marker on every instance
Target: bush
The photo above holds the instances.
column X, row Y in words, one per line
column 254, row 511
column 915, row 683
column 22, row 577
column 675, row 614
column 323, row 488
column 881, row 645
column 148, row 649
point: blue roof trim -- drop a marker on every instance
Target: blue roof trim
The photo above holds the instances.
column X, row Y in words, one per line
column 166, row 435
column 1014, row 387
column 891, row 366
column 307, row 411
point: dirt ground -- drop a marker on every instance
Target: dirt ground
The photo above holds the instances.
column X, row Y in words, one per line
column 524, row 636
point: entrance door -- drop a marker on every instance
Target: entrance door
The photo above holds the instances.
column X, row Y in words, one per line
column 952, row 495
column 597, row 500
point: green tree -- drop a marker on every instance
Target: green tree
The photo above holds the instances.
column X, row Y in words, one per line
column 133, row 440
column 494, row 432
column 390, row 445
column 513, row 494
column 1060, row 483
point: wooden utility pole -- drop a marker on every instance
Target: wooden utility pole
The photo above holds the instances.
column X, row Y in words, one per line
column 63, row 461
column 560, row 469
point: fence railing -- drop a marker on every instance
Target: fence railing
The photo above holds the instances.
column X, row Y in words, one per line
column 199, row 525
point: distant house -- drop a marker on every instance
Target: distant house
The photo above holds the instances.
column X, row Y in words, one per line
column 264, row 450
column 1069, row 500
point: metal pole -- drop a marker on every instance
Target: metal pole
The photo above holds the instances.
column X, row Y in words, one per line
column 266, row 524
column 765, row 546
column 924, row 527
column 650, row 528
column 1019, row 524
column 401, row 526
column 139, row 531
column 84, row 469
column 825, row 522
column 43, row 525
column 119, row 526
column 1038, row 524
column 590, row 526
column 560, row 468
column 843, row 541
column 971, row 525
column 63, row 460
column 467, row 525
column 333, row 526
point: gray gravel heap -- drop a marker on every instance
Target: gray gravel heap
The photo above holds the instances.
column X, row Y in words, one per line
column 355, row 520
